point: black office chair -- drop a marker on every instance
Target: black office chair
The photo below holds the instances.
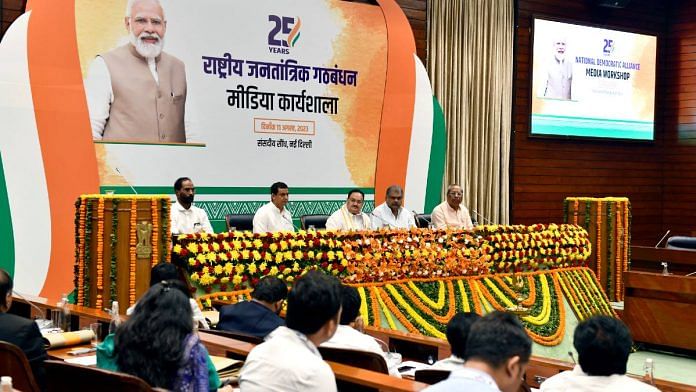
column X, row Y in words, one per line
column 423, row 220
column 241, row 222
column 318, row 221
column 682, row 243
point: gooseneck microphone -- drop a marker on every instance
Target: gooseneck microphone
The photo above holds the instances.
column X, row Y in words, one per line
column 127, row 182
column 663, row 238
column 485, row 220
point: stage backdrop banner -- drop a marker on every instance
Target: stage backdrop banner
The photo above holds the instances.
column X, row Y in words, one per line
column 324, row 95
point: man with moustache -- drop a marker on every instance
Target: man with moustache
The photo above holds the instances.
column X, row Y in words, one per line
column 187, row 218
column 391, row 213
column 273, row 216
column 350, row 215
column 136, row 91
column 451, row 213
column 559, row 76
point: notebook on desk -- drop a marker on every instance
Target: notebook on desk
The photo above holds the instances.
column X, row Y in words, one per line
column 226, row 367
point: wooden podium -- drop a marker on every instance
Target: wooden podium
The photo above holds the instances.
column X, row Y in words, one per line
column 118, row 238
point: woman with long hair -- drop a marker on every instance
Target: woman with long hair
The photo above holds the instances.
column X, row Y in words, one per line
column 158, row 343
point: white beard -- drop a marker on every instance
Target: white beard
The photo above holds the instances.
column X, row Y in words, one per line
column 149, row 51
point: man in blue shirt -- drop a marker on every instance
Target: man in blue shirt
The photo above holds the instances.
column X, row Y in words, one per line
column 497, row 353
column 257, row 317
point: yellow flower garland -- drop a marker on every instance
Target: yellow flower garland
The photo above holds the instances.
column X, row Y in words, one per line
column 440, row 296
column 100, row 253
column 363, row 304
column 465, row 300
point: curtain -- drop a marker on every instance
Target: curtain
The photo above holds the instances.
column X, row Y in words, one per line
column 470, row 50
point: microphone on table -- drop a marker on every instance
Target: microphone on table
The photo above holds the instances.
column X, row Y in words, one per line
column 485, row 220
column 291, row 222
column 127, row 182
column 570, row 354
column 42, row 323
column 382, row 222
column 663, row 238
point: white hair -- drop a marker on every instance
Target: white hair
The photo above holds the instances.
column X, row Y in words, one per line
column 131, row 3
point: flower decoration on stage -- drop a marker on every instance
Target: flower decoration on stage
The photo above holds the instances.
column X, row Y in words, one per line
column 232, row 261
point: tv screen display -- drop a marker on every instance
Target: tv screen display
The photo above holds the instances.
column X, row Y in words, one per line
column 592, row 82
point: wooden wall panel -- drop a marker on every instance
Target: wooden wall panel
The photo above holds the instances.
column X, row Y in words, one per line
column 545, row 171
column 679, row 185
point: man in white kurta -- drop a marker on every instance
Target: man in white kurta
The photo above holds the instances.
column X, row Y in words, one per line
column 187, row 218
column 350, row 216
column 451, row 213
column 391, row 213
column 273, row 216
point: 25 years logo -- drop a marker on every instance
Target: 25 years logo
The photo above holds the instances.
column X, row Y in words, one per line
column 284, row 33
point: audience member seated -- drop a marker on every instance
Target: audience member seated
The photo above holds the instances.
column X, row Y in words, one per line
column 349, row 333
column 457, row 333
column 391, row 213
column 187, row 218
column 497, row 353
column 603, row 344
column 158, row 343
column 21, row 332
column 260, row 316
column 289, row 359
column 451, row 213
column 350, row 215
column 273, row 216
column 167, row 271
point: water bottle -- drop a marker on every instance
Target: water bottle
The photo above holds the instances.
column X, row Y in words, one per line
column 66, row 313
column 115, row 318
column 6, row 384
column 648, row 370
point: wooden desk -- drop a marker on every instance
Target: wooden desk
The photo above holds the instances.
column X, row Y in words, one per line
column 659, row 309
column 649, row 259
column 61, row 354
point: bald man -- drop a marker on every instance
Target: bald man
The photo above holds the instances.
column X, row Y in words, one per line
column 137, row 92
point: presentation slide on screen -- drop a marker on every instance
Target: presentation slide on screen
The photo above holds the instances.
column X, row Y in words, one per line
column 592, row 82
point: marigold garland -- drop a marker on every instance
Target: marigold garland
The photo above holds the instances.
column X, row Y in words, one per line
column 387, row 314
column 154, row 207
column 440, row 297
column 363, row 305
column 464, row 297
column 131, row 251
column 81, row 253
column 599, row 240
column 100, row 253
column 428, row 310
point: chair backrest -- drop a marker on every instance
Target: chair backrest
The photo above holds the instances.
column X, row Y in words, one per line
column 15, row 364
column 360, row 359
column 240, row 222
column 682, row 243
column 234, row 335
column 318, row 221
column 431, row 376
column 63, row 376
column 423, row 220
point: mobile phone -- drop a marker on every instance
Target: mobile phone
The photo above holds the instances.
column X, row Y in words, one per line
column 405, row 368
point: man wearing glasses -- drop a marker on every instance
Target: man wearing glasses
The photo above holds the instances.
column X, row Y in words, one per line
column 136, row 92
column 350, row 215
column 451, row 213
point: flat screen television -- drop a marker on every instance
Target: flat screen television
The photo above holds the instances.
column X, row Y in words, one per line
column 592, row 82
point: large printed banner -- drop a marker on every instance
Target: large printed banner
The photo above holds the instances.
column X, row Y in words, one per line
column 592, row 82
column 324, row 95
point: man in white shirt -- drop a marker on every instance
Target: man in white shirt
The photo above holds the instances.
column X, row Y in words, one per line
column 450, row 213
column 136, row 91
column 350, row 333
column 350, row 215
column 289, row 359
column 187, row 218
column 391, row 213
column 457, row 332
column 559, row 75
column 497, row 352
column 273, row 216
column 603, row 344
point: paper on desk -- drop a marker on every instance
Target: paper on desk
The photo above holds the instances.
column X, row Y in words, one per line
column 87, row 360
column 415, row 365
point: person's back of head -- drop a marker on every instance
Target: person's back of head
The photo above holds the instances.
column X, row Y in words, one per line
column 350, row 304
column 499, row 342
column 150, row 343
column 313, row 303
column 270, row 290
column 458, row 331
column 162, row 272
column 5, row 290
column 603, row 344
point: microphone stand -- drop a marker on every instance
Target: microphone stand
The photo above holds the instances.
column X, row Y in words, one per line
column 42, row 322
